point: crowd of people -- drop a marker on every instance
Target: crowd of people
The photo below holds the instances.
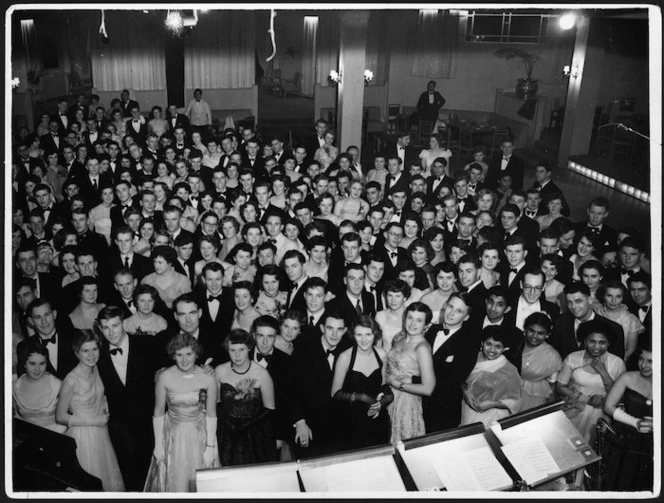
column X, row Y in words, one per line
column 187, row 298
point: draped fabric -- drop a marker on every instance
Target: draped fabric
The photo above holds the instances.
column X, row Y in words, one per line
column 79, row 45
column 310, row 29
column 327, row 46
column 133, row 58
column 220, row 52
column 29, row 37
column 556, row 53
column 435, row 46
column 376, row 55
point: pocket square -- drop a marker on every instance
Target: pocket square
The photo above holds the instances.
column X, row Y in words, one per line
column 449, row 359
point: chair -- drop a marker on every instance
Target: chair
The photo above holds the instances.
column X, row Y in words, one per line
column 445, row 137
column 621, row 146
column 499, row 136
column 424, row 131
column 604, row 140
column 272, row 76
column 393, row 112
column 293, row 85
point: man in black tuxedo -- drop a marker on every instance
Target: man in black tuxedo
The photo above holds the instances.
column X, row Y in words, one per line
column 88, row 239
column 264, row 330
column 475, row 172
column 429, row 102
column 314, row 415
column 176, row 120
column 136, row 126
column 533, row 207
column 55, row 333
column 564, row 336
column 640, row 291
column 527, row 226
column 351, row 245
column 396, row 180
column 402, row 149
column 454, row 349
column 46, row 203
column 355, row 300
column 75, row 169
column 547, row 188
column 217, row 306
column 252, row 159
column 314, row 294
column 315, row 141
column 124, row 201
column 126, row 104
column 91, row 135
column 124, row 256
column 54, row 140
column 469, row 267
column 512, row 274
column 530, row 301
column 465, row 201
column 91, row 185
column 390, row 251
column 127, row 365
column 465, row 227
column 374, row 265
column 45, row 284
column 61, row 117
column 630, row 254
column 506, row 162
column 294, row 265
column 451, row 211
column 598, row 211
column 188, row 313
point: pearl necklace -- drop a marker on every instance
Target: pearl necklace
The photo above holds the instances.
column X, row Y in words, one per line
column 241, row 373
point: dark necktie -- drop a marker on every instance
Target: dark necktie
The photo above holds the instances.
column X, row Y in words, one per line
column 52, row 340
column 629, row 272
column 126, row 264
column 311, row 321
column 358, row 307
column 213, row 297
column 94, row 184
column 115, row 351
column 260, row 357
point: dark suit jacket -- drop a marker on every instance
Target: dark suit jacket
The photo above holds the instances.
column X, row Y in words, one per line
column 221, row 325
column 513, row 336
column 310, row 383
column 66, row 358
column 452, row 364
column 378, row 300
column 141, row 266
column 563, row 338
column 447, row 180
column 92, row 196
column 97, row 243
column 190, row 265
column 476, row 298
column 181, row 120
column 47, row 143
column 76, row 170
column 131, row 406
column 411, row 156
column 210, row 347
column 311, row 144
column 139, row 135
column 278, row 366
column 403, row 184
column 607, row 236
column 389, row 268
column 117, row 220
column 348, row 310
column 515, row 167
column 469, row 204
column 86, row 138
column 513, row 288
column 426, row 110
column 126, row 107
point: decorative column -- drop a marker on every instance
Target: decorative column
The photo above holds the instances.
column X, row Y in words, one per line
column 582, row 92
column 350, row 92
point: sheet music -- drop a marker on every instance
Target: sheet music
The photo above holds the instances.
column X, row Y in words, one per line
column 278, row 478
column 378, row 473
column 531, row 459
column 476, row 470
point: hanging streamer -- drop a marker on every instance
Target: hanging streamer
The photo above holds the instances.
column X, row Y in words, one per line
column 271, row 32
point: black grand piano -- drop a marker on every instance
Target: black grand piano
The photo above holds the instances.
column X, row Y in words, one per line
column 44, row 460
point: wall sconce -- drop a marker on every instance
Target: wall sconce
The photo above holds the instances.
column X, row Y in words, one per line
column 571, row 71
column 334, row 78
column 368, row 77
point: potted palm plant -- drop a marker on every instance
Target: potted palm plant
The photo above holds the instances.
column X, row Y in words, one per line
column 525, row 87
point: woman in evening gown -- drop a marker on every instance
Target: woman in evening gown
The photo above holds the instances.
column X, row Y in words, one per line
column 185, row 439
column 358, row 384
column 629, row 454
column 246, row 432
column 82, row 393
column 409, row 357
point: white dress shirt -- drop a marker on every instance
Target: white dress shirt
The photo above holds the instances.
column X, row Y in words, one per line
column 120, row 360
column 441, row 338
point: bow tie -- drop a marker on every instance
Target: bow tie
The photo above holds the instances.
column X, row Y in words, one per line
column 115, row 351
column 329, row 352
column 397, row 213
column 393, row 254
column 515, row 271
column 372, row 288
column 531, row 214
column 63, row 115
column 402, row 148
column 180, row 145
column 644, row 309
column 292, row 286
column 462, row 199
column 594, row 230
column 506, row 158
column 198, row 101
column 260, row 357
column 537, row 185
column 54, row 135
column 214, row 297
column 472, row 186
column 273, row 241
column 445, row 331
column 430, row 92
column 136, row 120
column 629, row 272
column 52, row 340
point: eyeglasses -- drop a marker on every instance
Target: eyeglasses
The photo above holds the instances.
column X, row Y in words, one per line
column 530, row 288
column 210, row 223
column 395, row 235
